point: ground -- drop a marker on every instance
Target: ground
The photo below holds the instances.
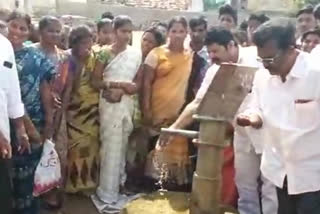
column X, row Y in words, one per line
column 75, row 205
column 157, row 203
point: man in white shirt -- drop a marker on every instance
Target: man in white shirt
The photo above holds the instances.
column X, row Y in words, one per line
column 286, row 104
column 256, row 193
column 223, row 48
column 10, row 107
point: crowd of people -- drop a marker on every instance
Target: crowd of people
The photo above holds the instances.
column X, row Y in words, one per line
column 103, row 102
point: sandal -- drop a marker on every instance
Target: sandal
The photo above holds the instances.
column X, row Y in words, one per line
column 55, row 204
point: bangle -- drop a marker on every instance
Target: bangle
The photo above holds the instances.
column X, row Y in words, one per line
column 23, row 136
column 107, row 85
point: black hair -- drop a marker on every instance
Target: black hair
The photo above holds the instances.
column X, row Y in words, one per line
column 316, row 11
column 244, row 25
column 101, row 23
column 315, row 31
column 107, row 15
column 34, row 35
column 160, row 38
column 162, row 24
column 120, row 21
column 220, row 36
column 19, row 15
column 260, row 17
column 64, row 42
column 240, row 36
column 308, row 9
column 227, row 9
column 280, row 30
column 79, row 33
column 178, row 19
column 46, row 21
column 90, row 24
column 197, row 21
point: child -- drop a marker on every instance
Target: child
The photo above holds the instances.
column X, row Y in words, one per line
column 105, row 32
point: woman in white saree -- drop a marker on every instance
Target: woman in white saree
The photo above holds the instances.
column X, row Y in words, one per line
column 118, row 76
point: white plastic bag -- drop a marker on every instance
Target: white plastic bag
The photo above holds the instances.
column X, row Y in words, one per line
column 48, row 172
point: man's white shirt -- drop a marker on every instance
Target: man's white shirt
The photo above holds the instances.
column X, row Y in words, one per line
column 247, row 57
column 10, row 96
column 290, row 112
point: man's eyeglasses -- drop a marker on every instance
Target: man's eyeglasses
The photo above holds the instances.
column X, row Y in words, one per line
column 269, row 60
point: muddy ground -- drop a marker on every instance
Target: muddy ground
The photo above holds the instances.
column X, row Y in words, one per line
column 75, row 204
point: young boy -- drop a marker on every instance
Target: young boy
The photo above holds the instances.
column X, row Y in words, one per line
column 228, row 17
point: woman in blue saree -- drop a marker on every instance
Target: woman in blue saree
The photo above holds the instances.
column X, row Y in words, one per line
column 35, row 72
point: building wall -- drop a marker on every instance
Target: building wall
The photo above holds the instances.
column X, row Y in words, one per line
column 142, row 16
column 175, row 5
column 159, row 4
column 7, row 4
column 28, row 5
column 44, row 3
column 272, row 5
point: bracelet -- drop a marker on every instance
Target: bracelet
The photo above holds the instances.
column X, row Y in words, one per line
column 24, row 136
column 107, row 85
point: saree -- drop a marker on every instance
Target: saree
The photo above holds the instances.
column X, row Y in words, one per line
column 172, row 71
column 116, row 121
column 83, row 130
column 33, row 68
column 169, row 88
column 58, row 85
column 60, row 137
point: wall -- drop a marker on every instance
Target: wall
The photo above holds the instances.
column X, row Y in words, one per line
column 142, row 16
column 160, row 4
column 7, row 4
column 44, row 3
column 272, row 5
